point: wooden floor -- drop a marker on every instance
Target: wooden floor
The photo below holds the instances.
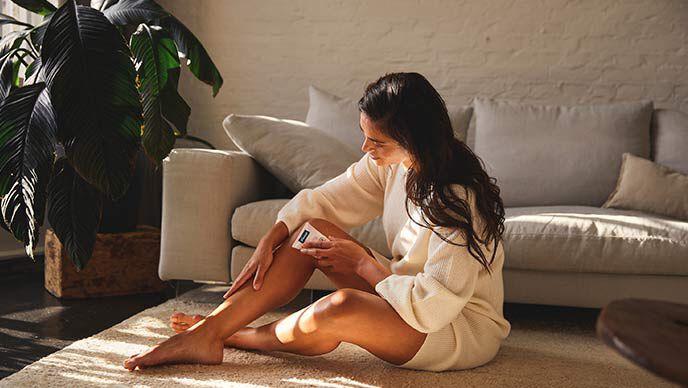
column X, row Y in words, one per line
column 33, row 323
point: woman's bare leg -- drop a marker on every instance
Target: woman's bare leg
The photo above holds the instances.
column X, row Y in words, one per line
column 203, row 342
column 346, row 315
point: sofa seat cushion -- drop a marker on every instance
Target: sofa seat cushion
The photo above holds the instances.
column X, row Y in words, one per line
column 597, row 240
column 543, row 238
column 252, row 221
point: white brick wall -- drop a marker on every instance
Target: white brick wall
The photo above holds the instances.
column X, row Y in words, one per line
column 546, row 51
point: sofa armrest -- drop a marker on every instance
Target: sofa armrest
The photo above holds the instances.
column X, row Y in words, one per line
column 201, row 189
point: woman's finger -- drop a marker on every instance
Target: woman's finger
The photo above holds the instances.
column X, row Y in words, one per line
column 237, row 284
column 317, row 251
column 240, row 280
column 258, row 280
column 317, row 244
column 325, row 263
column 234, row 285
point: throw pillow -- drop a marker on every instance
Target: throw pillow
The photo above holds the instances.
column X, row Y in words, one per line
column 650, row 187
column 298, row 155
column 340, row 117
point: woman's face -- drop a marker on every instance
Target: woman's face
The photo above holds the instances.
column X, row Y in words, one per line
column 382, row 149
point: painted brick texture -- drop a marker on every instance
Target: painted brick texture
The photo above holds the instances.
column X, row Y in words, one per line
column 541, row 51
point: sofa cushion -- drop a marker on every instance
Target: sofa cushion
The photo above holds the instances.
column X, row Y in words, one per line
column 650, row 187
column 591, row 239
column 548, row 238
column 252, row 221
column 558, row 155
column 670, row 139
column 296, row 154
column 340, row 117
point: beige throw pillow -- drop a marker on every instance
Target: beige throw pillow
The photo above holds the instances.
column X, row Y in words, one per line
column 300, row 156
column 650, row 187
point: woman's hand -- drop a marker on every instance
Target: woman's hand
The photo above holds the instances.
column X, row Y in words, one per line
column 258, row 264
column 337, row 255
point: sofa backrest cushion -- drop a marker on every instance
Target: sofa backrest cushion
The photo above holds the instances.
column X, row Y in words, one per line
column 558, row 155
column 339, row 117
column 670, row 139
column 301, row 157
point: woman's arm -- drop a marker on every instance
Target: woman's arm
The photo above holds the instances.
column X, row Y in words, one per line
column 275, row 236
column 372, row 271
column 352, row 198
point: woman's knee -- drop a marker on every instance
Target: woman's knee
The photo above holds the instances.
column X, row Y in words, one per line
column 343, row 303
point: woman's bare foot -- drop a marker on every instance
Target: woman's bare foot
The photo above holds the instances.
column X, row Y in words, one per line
column 189, row 347
column 245, row 338
column 179, row 322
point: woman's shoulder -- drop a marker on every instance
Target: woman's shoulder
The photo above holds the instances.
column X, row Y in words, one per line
column 382, row 172
column 366, row 166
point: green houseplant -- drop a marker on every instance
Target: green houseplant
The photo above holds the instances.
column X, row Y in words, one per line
column 100, row 85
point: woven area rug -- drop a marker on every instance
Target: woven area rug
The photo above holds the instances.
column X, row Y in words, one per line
column 536, row 357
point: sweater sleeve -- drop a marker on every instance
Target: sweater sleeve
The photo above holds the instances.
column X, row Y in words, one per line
column 352, row 198
column 435, row 297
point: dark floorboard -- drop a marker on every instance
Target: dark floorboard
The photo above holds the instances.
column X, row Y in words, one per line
column 34, row 323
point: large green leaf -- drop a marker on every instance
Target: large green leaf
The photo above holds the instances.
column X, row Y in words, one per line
column 157, row 64
column 87, row 66
column 33, row 72
column 12, row 40
column 197, row 57
column 134, row 12
column 74, row 212
column 37, row 33
column 102, row 5
column 7, row 19
column 27, row 143
column 6, row 75
column 41, row 7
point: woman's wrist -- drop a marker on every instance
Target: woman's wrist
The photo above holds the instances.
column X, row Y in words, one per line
column 372, row 271
column 277, row 234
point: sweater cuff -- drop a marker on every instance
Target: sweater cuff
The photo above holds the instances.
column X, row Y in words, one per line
column 389, row 287
column 395, row 290
column 291, row 227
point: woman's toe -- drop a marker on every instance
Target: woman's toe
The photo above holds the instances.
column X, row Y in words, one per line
column 179, row 328
column 130, row 363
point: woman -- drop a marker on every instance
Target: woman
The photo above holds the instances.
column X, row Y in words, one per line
column 436, row 306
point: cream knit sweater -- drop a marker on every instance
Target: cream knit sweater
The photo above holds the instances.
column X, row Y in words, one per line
column 434, row 284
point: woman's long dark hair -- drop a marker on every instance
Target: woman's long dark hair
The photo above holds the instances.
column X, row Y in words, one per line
column 409, row 110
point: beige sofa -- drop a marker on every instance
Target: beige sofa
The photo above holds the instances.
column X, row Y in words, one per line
column 217, row 204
